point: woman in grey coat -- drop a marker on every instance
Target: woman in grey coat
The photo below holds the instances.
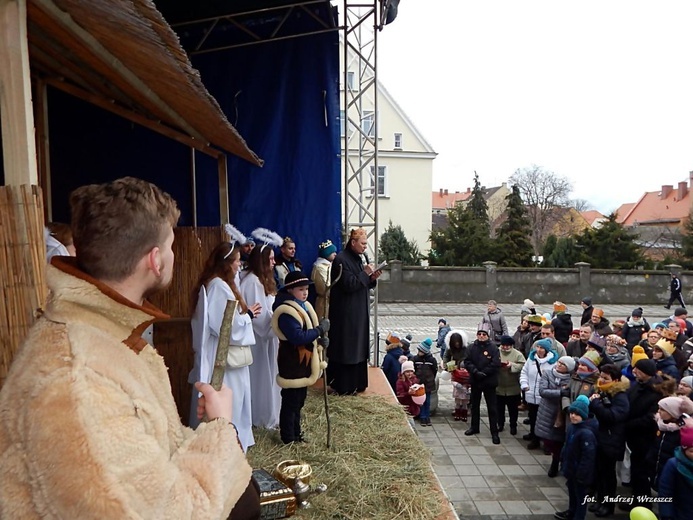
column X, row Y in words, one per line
column 553, row 387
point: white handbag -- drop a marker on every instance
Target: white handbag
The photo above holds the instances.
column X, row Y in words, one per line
column 239, row 356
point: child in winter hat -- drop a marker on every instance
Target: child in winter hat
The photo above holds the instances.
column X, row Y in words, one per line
column 426, row 368
column 581, row 407
column 425, row 346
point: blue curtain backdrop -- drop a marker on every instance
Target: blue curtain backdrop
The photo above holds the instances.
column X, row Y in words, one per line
column 283, row 99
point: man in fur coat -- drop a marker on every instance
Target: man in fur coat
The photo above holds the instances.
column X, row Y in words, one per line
column 88, row 425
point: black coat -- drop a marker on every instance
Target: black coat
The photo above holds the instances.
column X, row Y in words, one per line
column 426, row 368
column 633, row 332
column 660, row 452
column 586, row 315
column 483, row 356
column 611, row 410
column 641, row 427
column 349, row 310
column 579, row 455
column 563, row 327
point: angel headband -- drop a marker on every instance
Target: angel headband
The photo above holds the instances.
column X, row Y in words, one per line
column 267, row 237
column 235, row 237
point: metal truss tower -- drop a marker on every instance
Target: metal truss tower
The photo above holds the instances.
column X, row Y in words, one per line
column 362, row 21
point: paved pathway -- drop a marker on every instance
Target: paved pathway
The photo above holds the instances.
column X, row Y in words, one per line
column 484, row 481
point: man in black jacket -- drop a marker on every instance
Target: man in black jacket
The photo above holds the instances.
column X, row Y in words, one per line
column 483, row 364
column 641, row 427
column 587, row 308
column 675, row 289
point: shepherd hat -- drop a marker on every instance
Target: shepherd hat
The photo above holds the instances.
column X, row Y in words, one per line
column 295, row 279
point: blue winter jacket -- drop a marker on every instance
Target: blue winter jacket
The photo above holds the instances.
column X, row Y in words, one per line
column 579, row 454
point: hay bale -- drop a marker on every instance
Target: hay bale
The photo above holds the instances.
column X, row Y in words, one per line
column 377, row 467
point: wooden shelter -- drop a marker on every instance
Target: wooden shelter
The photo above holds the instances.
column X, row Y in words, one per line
column 120, row 55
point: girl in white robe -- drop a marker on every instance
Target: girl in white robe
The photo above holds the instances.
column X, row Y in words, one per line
column 258, row 285
column 218, row 279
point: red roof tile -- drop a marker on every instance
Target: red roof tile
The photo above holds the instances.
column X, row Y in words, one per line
column 448, row 200
column 655, row 208
column 591, row 215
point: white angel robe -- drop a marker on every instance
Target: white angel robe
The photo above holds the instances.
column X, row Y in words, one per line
column 266, row 394
column 206, row 327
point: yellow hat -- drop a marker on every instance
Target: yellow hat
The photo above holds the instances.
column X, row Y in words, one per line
column 637, row 355
column 559, row 307
column 666, row 346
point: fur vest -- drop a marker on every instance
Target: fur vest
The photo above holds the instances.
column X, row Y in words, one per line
column 88, row 425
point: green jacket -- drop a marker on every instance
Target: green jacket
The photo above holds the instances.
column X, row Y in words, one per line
column 509, row 375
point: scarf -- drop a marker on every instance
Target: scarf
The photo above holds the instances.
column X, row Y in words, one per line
column 685, row 465
column 605, row 387
column 666, row 427
column 585, row 375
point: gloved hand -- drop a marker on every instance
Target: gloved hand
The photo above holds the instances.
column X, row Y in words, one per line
column 323, row 326
column 325, row 342
column 565, row 391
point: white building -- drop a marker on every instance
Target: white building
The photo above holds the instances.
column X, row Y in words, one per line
column 405, row 167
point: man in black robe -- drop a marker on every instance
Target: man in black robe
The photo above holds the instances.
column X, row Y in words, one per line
column 352, row 278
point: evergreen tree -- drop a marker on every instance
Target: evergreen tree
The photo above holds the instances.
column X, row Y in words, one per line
column 464, row 242
column 393, row 245
column 513, row 243
column 687, row 241
column 610, row 246
column 561, row 252
column 477, row 205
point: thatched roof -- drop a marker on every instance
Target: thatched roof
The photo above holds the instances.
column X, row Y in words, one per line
column 125, row 52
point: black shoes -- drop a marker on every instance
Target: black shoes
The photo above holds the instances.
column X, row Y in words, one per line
column 471, row 431
column 496, row 439
column 533, row 445
column 563, row 515
column 553, row 470
column 525, row 421
column 425, row 422
column 528, row 437
column 513, row 430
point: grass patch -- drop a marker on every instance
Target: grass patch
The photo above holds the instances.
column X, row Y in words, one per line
column 376, row 469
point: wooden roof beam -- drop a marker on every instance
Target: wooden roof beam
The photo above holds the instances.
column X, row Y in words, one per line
column 66, row 23
column 19, row 145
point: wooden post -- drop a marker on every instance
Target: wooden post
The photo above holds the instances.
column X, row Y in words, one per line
column 16, row 112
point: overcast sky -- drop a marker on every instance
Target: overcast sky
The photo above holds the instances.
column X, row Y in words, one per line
column 599, row 92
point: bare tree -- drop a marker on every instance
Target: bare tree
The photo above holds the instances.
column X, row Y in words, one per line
column 580, row 204
column 542, row 191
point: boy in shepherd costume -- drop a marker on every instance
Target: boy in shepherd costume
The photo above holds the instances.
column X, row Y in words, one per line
column 300, row 356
